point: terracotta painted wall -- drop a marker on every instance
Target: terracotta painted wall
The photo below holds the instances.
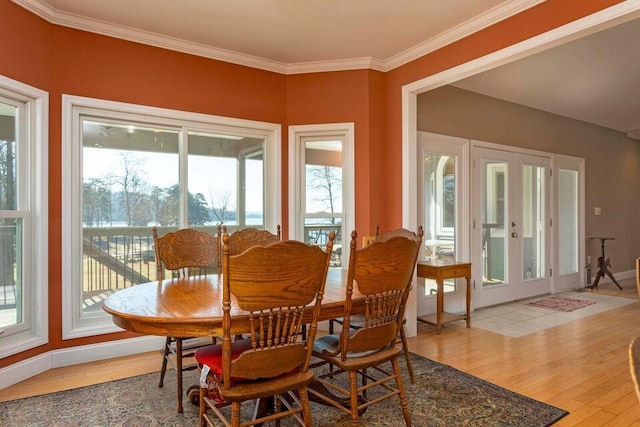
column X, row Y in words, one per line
column 19, row 29
column 351, row 96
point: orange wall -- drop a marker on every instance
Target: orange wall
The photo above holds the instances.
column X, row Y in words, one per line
column 349, row 96
column 66, row 61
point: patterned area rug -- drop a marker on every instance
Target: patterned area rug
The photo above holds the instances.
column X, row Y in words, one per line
column 442, row 396
column 561, row 303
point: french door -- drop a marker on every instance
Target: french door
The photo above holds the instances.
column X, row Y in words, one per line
column 510, row 227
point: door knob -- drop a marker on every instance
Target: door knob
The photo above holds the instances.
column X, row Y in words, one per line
column 514, row 234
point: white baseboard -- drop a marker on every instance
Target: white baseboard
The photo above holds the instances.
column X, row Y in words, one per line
column 24, row 369
column 28, row 368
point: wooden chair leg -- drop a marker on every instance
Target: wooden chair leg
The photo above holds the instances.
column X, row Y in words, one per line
column 165, row 354
column 203, row 406
column 353, row 390
column 407, row 355
column 402, row 394
column 179, row 373
column 306, row 407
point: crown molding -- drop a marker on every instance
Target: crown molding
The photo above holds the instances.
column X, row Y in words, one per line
column 70, row 20
column 492, row 16
column 336, row 65
column 459, row 32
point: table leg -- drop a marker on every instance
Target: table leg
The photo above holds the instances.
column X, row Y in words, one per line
column 468, row 302
column 608, row 273
column 439, row 306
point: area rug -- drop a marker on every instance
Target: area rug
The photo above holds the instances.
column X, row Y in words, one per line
column 442, row 396
column 561, row 303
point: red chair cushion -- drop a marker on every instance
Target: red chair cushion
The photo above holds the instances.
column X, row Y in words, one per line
column 211, row 355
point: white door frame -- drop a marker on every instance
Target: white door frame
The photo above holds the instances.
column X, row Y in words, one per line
column 598, row 21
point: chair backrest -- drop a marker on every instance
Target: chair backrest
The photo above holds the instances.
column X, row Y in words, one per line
column 242, row 240
column 274, row 283
column 398, row 232
column 382, row 272
column 185, row 252
column 407, row 234
column 634, row 364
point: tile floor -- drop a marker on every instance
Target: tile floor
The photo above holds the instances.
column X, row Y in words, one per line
column 518, row 319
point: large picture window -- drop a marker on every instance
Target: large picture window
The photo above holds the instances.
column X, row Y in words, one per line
column 23, row 217
column 140, row 167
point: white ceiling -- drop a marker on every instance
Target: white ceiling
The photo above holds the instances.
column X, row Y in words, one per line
column 594, row 79
column 286, row 35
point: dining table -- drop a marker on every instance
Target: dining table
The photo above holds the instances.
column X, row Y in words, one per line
column 192, row 306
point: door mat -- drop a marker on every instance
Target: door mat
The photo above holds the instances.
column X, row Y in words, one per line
column 561, row 303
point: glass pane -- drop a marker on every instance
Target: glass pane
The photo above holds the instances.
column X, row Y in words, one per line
column 11, row 286
column 130, row 182
column 212, row 196
column 568, row 221
column 440, row 213
column 533, row 242
column 8, row 182
column 494, row 206
column 323, row 176
column 316, row 232
column 254, row 190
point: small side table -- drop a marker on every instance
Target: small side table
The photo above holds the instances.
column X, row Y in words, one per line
column 439, row 270
column 603, row 264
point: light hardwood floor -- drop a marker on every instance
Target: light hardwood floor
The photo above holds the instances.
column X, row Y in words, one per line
column 581, row 366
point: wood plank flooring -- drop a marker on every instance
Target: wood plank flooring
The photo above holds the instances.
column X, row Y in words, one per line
column 581, row 366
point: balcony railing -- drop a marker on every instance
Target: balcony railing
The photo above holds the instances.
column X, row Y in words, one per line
column 115, row 258
column 119, row 257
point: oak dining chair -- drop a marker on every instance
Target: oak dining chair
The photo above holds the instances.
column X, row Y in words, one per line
column 181, row 253
column 273, row 284
column 382, row 273
column 241, row 240
column 358, row 320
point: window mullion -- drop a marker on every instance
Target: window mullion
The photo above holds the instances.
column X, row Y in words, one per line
column 183, row 174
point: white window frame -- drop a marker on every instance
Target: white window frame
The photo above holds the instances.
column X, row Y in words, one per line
column 32, row 166
column 74, row 325
column 346, row 131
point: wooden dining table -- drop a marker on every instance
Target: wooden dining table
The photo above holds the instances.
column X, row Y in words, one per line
column 192, row 306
